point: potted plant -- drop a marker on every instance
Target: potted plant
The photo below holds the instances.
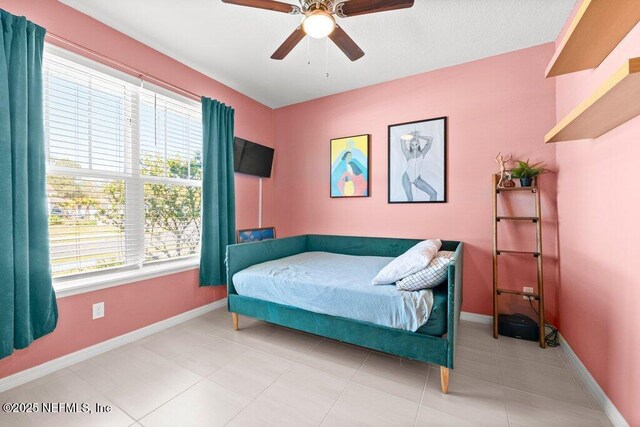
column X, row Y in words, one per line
column 526, row 172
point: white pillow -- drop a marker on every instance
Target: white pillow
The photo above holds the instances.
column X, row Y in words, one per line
column 415, row 259
column 429, row 277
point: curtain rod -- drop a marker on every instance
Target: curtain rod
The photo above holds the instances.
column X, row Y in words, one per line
column 131, row 70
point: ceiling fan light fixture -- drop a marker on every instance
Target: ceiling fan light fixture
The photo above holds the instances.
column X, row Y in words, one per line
column 318, row 24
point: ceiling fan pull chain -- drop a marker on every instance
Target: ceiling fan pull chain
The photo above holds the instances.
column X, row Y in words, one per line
column 326, row 56
column 308, row 50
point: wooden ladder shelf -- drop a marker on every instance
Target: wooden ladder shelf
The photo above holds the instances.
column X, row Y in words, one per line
column 537, row 254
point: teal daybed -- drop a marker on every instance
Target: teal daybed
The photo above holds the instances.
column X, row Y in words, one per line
column 432, row 343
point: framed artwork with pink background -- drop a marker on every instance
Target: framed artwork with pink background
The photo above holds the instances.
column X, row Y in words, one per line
column 350, row 166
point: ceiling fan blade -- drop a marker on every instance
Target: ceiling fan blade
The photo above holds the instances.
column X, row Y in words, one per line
column 289, row 44
column 362, row 7
column 267, row 4
column 346, row 44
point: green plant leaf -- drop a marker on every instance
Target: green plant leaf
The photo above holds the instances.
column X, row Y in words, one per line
column 526, row 170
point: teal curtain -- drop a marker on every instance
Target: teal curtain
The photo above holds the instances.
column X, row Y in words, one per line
column 218, row 195
column 27, row 302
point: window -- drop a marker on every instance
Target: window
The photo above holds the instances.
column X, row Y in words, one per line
column 124, row 170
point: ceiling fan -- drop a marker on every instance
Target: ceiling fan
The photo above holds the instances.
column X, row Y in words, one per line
column 318, row 21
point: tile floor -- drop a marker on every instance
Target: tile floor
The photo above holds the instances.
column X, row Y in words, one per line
column 203, row 373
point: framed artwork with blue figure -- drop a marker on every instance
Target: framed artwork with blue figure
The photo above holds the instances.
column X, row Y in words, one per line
column 255, row 234
column 350, row 166
column 418, row 161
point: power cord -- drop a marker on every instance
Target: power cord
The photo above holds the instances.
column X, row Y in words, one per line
column 551, row 338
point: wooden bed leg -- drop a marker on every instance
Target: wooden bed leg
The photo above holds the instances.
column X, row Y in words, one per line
column 234, row 316
column 444, row 379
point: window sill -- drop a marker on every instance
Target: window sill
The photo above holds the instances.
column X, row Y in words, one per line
column 65, row 288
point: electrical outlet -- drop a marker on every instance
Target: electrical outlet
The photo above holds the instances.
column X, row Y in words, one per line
column 98, row 310
column 528, row 290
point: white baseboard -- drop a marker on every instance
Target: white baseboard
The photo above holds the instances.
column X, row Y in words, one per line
column 478, row 318
column 607, row 405
column 46, row 368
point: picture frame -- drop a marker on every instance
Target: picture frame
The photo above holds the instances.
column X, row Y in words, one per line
column 248, row 235
column 349, row 164
column 415, row 175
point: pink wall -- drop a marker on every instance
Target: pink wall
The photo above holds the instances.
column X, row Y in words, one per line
column 133, row 306
column 127, row 308
column 598, row 206
column 494, row 104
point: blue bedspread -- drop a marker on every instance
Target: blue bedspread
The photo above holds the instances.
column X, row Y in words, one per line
column 338, row 285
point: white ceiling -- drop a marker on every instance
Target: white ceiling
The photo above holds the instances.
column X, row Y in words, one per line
column 232, row 44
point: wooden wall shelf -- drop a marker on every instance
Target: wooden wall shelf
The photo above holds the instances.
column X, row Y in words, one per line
column 595, row 31
column 612, row 104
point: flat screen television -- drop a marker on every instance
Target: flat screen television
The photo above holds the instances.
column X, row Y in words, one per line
column 251, row 158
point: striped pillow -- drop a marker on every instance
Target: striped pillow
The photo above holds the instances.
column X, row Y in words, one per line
column 430, row 277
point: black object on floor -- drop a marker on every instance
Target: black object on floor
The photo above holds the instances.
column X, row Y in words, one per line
column 518, row 326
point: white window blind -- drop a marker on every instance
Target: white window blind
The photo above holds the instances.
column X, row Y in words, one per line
column 124, row 171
